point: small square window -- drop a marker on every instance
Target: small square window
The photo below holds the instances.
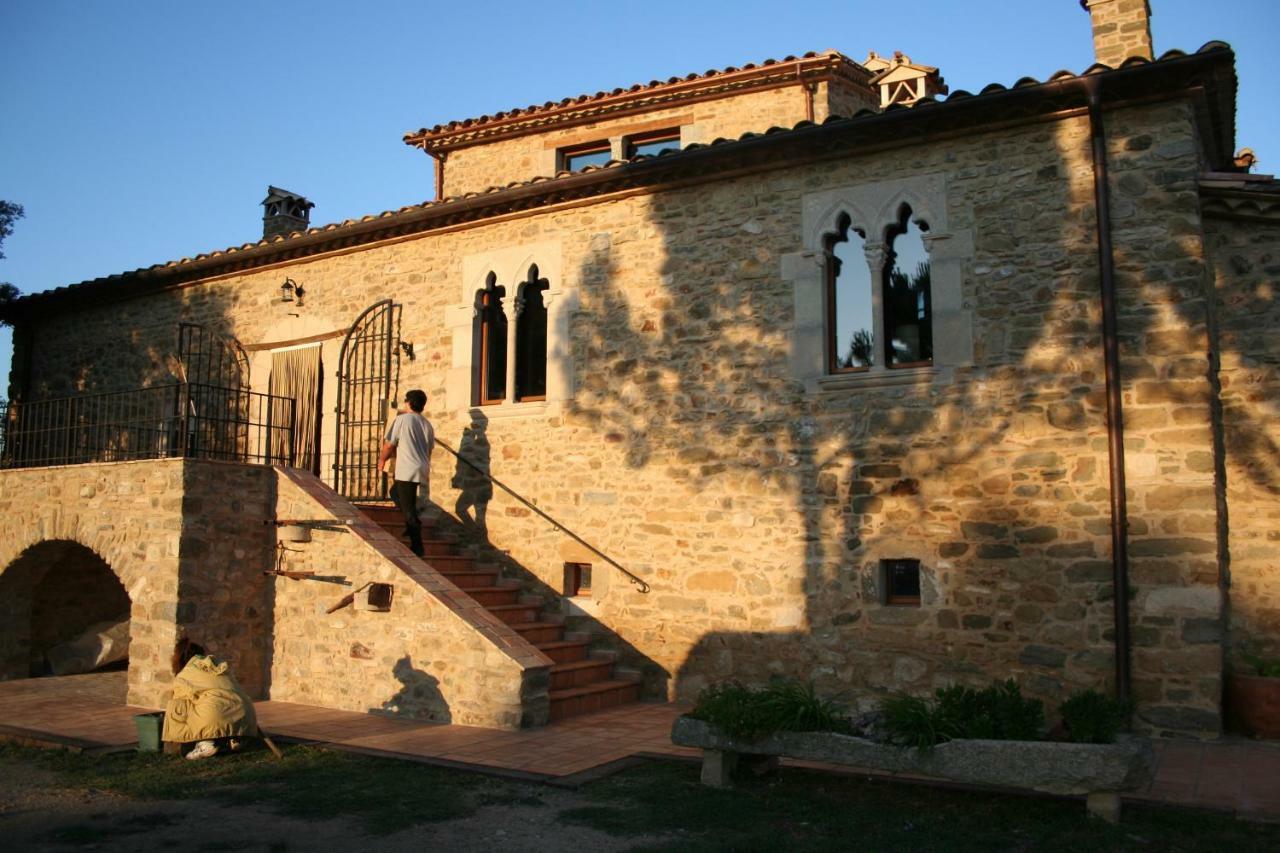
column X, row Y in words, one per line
column 577, row 580
column 900, row 583
column 590, row 154
column 653, row 144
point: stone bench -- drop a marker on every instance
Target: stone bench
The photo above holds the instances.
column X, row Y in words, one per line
column 1097, row 771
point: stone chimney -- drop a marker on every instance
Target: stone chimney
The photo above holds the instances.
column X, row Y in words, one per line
column 284, row 212
column 1121, row 29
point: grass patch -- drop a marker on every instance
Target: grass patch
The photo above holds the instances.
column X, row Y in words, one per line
column 385, row 796
column 795, row 809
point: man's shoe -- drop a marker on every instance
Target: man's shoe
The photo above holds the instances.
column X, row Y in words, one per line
column 203, row 749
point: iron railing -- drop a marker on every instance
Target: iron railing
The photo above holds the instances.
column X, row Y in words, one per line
column 639, row 583
column 185, row 419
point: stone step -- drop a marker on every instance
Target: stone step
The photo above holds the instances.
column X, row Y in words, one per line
column 389, row 516
column 491, row 595
column 564, row 651
column 515, row 614
column 445, row 563
column 470, row 580
column 574, row 701
column 540, row 632
column 580, row 673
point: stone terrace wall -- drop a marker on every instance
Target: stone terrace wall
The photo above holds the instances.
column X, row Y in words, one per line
column 436, row 654
column 172, row 531
column 1246, row 260
column 759, row 512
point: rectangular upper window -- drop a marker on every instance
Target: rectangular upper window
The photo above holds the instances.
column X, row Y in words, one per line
column 588, row 154
column 653, row 143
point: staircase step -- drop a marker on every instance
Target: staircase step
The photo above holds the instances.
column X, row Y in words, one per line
column 592, row 697
column 389, row 515
column 493, row 595
column 515, row 614
column 540, row 632
column 457, row 563
column 580, row 673
column 469, row 580
column 564, row 651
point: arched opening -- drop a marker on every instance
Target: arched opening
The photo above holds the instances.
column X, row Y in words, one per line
column 908, row 298
column 531, row 339
column 63, row 611
column 490, row 341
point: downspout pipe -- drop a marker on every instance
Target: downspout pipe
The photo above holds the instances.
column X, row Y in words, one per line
column 1115, row 412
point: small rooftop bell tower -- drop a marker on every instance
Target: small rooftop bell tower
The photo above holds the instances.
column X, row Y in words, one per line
column 284, row 212
column 901, row 81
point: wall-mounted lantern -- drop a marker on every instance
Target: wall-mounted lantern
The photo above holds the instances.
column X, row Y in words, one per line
column 291, row 291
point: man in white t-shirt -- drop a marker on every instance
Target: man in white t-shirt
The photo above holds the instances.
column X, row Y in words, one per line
column 410, row 440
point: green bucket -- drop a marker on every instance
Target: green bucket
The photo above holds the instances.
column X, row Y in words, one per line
column 149, row 728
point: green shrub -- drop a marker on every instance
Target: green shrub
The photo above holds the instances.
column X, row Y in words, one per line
column 784, row 706
column 998, row 712
column 1093, row 717
column 1265, row 667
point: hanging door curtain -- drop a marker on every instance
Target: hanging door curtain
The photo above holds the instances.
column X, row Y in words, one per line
column 295, row 373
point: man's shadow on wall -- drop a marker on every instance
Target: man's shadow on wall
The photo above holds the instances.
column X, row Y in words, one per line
column 419, row 697
column 471, row 476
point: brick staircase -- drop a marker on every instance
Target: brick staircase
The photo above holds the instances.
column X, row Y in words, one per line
column 581, row 680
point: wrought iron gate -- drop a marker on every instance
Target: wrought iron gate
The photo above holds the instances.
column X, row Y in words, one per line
column 214, row 369
column 368, row 374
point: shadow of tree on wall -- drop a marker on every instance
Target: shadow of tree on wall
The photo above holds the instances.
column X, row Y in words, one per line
column 419, row 697
column 995, row 476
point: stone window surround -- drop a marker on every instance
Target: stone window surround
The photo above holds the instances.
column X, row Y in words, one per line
column 511, row 266
column 873, row 208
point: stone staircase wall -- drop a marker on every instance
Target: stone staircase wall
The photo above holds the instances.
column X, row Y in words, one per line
column 437, row 653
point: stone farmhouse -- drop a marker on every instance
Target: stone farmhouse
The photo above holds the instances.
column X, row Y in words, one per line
column 809, row 367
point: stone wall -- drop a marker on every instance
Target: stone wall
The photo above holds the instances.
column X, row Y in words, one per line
column 497, row 163
column 165, row 529
column 759, row 511
column 1246, row 262
column 436, row 654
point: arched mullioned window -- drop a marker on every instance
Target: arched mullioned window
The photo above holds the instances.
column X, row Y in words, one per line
column 908, row 308
column 850, row 317
column 490, row 341
column 531, row 339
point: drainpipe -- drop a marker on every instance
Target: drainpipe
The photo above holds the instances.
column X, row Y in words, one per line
column 1115, row 414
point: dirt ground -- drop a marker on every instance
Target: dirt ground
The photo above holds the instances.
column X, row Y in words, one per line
column 36, row 814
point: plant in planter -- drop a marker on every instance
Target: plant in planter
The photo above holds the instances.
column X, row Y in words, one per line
column 1093, row 717
column 955, row 736
column 1253, row 699
column 998, row 712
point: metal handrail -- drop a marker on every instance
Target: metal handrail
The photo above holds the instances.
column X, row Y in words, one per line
column 640, row 584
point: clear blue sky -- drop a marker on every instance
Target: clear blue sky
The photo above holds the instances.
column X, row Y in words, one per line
column 140, row 132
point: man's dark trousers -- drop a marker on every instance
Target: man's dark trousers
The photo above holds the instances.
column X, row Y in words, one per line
column 405, row 495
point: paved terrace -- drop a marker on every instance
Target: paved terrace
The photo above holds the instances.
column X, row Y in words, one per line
column 88, row 712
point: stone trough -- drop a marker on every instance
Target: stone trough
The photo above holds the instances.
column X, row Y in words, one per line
column 1098, row 771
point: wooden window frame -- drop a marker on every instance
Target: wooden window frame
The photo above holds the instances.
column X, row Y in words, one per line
column 660, row 135
column 541, row 286
column 892, row 233
column 595, row 146
column 485, row 304
column 830, row 262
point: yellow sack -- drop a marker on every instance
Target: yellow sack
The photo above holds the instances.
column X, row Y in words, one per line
column 207, row 703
